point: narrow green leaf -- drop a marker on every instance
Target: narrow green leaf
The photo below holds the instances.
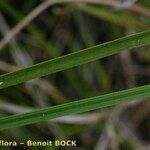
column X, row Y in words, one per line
column 75, row 59
column 75, row 107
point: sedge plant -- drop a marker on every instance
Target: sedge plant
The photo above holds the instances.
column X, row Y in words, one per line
column 69, row 61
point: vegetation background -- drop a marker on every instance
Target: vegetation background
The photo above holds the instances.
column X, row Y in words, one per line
column 62, row 29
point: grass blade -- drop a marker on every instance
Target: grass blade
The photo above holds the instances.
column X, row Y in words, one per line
column 75, row 59
column 75, row 107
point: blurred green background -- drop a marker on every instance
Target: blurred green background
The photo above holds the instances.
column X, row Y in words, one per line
column 62, row 29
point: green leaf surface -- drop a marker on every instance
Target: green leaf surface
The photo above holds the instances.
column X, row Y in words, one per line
column 75, row 59
column 75, row 107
